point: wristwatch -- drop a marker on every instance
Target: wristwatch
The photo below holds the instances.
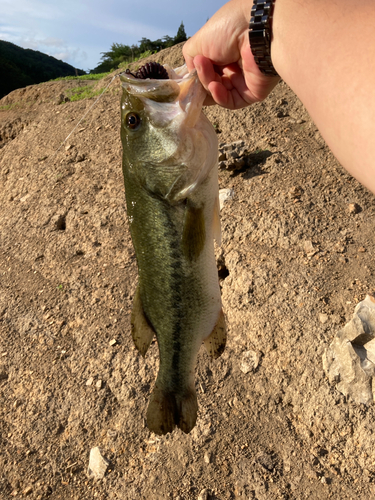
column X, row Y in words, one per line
column 260, row 34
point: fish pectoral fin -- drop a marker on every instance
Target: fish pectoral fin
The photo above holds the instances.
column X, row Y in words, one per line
column 168, row 409
column 215, row 342
column 142, row 330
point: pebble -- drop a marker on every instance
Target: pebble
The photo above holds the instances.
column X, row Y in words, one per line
column 90, row 381
column 309, row 249
column 207, row 458
column 99, row 384
column 354, row 208
column 323, row 318
column 249, row 361
column 59, row 99
column 295, row 192
column 232, row 156
column 266, row 461
column 3, row 373
column 225, row 195
column 27, row 490
column 204, row 494
column 97, row 464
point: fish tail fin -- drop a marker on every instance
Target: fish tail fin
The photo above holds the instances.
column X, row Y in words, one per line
column 168, row 409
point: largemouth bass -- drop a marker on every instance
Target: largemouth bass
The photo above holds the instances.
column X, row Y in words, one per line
column 171, row 185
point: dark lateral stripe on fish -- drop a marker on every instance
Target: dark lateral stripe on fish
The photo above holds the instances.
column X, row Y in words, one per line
column 194, row 235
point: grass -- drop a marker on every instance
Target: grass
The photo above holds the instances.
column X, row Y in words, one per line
column 15, row 105
column 92, row 76
column 79, row 93
column 7, row 107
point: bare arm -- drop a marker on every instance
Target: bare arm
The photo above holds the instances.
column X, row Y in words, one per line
column 325, row 51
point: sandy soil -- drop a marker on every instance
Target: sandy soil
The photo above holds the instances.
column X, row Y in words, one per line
column 295, row 259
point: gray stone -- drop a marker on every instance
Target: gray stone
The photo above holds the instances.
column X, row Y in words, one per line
column 249, row 361
column 349, row 361
column 225, row 195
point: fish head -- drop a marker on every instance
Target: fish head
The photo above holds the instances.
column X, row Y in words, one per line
column 169, row 147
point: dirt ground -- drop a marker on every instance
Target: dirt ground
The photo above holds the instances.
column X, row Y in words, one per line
column 296, row 257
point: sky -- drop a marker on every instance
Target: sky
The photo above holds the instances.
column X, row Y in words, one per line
column 77, row 31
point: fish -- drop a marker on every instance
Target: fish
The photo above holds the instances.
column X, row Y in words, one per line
column 170, row 153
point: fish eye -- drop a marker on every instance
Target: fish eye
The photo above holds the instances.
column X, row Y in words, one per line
column 132, row 121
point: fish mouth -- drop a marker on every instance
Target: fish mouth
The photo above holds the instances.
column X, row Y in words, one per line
column 181, row 88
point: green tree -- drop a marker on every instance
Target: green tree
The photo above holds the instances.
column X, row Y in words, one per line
column 181, row 34
column 168, row 41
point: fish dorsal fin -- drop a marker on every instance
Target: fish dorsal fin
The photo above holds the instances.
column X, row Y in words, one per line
column 142, row 330
column 216, row 341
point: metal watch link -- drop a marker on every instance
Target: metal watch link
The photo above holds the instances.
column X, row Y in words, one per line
column 260, row 35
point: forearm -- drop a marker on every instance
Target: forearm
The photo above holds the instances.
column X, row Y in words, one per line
column 325, row 51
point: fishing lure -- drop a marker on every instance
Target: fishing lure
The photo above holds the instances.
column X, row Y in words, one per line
column 152, row 70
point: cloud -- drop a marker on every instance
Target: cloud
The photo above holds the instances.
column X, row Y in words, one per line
column 52, row 42
column 76, row 57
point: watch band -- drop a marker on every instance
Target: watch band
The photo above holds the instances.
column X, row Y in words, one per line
column 260, row 35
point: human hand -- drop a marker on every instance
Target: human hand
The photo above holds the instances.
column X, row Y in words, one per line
column 220, row 52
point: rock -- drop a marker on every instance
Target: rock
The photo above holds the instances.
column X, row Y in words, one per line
column 207, row 458
column 309, row 248
column 225, row 195
column 90, row 381
column 249, row 361
column 27, row 490
column 295, row 192
column 354, row 208
column 3, row 373
column 349, row 361
column 233, row 156
column 204, row 494
column 97, row 464
column 59, row 99
column 323, row 318
column 265, row 460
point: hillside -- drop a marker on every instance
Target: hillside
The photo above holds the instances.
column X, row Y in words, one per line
column 21, row 67
column 295, row 260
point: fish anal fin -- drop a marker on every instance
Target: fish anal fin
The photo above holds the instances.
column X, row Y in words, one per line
column 215, row 342
column 194, row 233
column 168, row 409
column 142, row 330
